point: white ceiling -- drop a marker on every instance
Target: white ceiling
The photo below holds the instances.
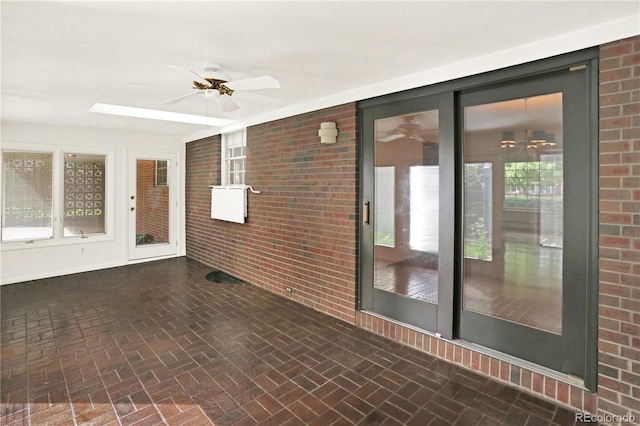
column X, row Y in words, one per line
column 59, row 58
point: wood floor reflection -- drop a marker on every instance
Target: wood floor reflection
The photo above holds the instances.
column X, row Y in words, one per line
column 416, row 278
column 524, row 287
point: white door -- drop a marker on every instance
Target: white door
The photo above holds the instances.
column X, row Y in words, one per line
column 152, row 204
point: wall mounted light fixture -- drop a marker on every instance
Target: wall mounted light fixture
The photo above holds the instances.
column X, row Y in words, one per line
column 328, row 132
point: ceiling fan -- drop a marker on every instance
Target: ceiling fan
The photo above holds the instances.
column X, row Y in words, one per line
column 408, row 129
column 217, row 84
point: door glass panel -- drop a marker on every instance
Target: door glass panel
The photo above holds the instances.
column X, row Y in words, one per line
column 513, row 212
column 152, row 204
column 406, row 220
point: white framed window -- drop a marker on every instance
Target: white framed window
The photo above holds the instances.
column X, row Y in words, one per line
column 162, row 172
column 27, row 195
column 55, row 195
column 84, row 188
column 234, row 154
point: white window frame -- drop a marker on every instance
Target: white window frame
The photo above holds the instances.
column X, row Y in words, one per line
column 165, row 167
column 63, row 216
column 58, row 152
column 236, row 139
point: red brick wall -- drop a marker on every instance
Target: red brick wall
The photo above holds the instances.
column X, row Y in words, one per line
column 152, row 205
column 302, row 233
column 202, row 169
column 619, row 322
column 301, row 230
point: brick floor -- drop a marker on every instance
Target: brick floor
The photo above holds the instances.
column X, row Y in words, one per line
column 157, row 343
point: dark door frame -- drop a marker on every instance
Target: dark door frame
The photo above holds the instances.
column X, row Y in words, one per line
column 420, row 314
column 450, row 262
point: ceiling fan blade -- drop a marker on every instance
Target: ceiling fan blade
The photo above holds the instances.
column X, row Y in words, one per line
column 200, row 78
column 228, row 104
column 255, row 83
column 180, row 98
column 142, row 84
column 259, row 99
column 391, row 138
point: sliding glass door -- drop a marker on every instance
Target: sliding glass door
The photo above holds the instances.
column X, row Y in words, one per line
column 478, row 204
column 524, row 214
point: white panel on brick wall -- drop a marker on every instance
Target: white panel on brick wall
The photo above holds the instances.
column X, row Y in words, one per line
column 229, row 203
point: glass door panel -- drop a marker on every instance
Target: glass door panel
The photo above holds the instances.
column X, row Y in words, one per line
column 524, row 213
column 152, row 205
column 406, row 215
column 513, row 214
column 406, row 244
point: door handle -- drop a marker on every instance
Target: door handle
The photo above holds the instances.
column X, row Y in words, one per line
column 365, row 213
column 132, row 208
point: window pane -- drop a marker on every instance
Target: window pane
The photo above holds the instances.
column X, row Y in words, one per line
column 161, row 173
column 478, row 206
column 424, row 190
column 84, row 194
column 513, row 211
column 233, row 153
column 27, row 196
column 385, row 207
column 152, row 206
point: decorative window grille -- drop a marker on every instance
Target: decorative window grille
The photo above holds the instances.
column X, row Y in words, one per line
column 84, row 194
column 27, row 201
column 234, row 153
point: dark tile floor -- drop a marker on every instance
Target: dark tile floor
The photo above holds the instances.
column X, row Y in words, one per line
column 157, row 343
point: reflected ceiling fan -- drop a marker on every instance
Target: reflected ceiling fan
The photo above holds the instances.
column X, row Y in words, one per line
column 408, row 129
column 217, row 84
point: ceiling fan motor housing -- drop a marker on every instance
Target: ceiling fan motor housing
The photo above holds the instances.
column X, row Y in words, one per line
column 214, row 84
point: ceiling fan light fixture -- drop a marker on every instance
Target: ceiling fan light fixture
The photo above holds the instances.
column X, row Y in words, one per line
column 216, row 84
column 227, row 103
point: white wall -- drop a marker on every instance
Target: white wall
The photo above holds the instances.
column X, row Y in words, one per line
column 36, row 260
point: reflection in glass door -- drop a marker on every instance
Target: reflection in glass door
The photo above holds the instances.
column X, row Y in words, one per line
column 406, row 205
column 152, row 202
column 152, row 206
column 524, row 170
column 516, row 276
